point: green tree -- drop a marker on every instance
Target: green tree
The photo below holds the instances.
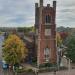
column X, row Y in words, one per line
column 0, row 32
column 70, row 51
column 26, row 30
column 14, row 50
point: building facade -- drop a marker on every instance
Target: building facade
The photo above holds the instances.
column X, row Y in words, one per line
column 45, row 30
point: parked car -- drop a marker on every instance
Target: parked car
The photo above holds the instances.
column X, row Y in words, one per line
column 5, row 65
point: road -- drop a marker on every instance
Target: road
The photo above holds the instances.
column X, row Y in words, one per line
column 72, row 72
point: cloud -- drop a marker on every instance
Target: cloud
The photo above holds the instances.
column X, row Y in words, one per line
column 22, row 12
column 65, row 13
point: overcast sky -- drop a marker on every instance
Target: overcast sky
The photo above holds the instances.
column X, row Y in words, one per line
column 22, row 12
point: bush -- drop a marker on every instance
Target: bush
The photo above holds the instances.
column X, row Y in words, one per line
column 19, row 70
column 63, row 68
column 29, row 70
column 48, row 65
column 45, row 65
column 49, row 69
column 0, row 32
column 23, row 70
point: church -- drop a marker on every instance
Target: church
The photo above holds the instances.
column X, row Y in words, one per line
column 43, row 44
column 45, row 30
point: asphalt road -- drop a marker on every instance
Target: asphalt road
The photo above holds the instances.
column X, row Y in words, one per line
column 71, row 72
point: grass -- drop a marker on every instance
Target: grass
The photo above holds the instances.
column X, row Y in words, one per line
column 27, row 70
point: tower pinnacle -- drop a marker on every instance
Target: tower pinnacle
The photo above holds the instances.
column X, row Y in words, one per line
column 41, row 2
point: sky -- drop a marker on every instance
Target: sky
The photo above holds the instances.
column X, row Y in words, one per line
column 17, row 13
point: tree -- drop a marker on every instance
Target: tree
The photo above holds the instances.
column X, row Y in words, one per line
column 63, row 35
column 58, row 39
column 70, row 51
column 0, row 32
column 26, row 30
column 14, row 50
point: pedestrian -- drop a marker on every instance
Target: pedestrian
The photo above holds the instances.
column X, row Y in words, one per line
column 54, row 72
column 36, row 72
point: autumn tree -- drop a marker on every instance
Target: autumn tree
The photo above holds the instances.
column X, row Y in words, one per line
column 58, row 39
column 14, row 50
column 64, row 35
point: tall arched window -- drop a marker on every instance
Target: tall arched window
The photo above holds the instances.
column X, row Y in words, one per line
column 47, row 54
column 48, row 19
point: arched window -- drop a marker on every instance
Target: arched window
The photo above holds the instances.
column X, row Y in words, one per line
column 48, row 19
column 46, row 51
column 46, row 54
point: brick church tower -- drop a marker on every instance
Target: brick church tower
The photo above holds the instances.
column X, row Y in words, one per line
column 45, row 29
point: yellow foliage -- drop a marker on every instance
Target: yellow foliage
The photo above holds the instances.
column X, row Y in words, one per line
column 14, row 44
column 58, row 39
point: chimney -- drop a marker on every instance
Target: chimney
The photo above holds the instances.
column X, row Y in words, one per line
column 41, row 3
